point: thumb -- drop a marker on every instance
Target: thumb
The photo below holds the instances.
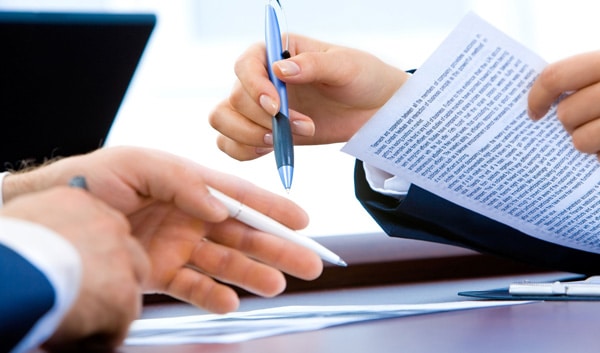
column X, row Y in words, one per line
column 315, row 67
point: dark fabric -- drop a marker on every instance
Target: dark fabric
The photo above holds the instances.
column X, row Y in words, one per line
column 25, row 296
column 424, row 216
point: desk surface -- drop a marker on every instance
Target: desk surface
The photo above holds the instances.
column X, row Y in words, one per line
column 536, row 327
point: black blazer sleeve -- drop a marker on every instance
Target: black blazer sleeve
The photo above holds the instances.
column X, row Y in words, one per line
column 424, row 216
column 26, row 295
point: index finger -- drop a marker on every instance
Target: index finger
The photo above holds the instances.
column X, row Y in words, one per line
column 134, row 177
column 279, row 208
column 251, row 70
column 562, row 76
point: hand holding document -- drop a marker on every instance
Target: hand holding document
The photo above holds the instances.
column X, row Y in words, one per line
column 459, row 128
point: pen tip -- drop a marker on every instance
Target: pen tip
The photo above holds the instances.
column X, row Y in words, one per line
column 342, row 263
column 286, row 173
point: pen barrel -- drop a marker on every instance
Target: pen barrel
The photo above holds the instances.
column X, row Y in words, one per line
column 284, row 152
column 275, row 53
column 283, row 143
column 266, row 224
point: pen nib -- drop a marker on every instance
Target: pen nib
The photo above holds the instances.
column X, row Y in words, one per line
column 285, row 173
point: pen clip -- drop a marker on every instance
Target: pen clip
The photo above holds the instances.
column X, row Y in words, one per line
column 281, row 16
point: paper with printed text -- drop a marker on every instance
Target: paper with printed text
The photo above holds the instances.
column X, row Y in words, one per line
column 459, row 129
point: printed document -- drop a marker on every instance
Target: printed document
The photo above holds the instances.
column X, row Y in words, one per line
column 459, row 129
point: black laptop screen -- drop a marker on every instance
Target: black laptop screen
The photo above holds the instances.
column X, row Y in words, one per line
column 63, row 77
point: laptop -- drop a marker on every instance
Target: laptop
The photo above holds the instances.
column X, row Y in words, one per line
column 63, row 77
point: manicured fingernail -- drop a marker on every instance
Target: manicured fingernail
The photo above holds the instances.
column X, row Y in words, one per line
column 268, row 139
column 263, row 150
column 268, row 104
column 303, row 128
column 288, row 68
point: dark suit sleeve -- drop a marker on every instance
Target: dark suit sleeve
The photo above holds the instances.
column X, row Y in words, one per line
column 25, row 297
column 424, row 216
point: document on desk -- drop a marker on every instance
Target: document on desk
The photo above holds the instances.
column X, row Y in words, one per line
column 244, row 326
column 459, row 129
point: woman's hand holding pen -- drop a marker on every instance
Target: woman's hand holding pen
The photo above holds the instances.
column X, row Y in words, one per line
column 195, row 249
column 332, row 92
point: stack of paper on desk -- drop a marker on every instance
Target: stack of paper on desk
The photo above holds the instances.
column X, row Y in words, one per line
column 242, row 326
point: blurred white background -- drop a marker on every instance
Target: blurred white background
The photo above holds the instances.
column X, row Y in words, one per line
column 188, row 68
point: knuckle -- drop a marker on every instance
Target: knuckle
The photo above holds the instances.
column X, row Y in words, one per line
column 213, row 117
column 239, row 64
column 237, row 96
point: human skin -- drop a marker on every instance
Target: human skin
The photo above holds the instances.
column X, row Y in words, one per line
column 114, row 264
column 196, row 251
column 576, row 81
column 332, row 91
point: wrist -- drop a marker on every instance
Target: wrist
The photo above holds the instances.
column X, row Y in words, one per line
column 15, row 184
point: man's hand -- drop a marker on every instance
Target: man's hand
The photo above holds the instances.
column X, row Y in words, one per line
column 115, row 266
column 196, row 250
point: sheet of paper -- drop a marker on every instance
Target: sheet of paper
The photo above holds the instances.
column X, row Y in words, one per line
column 459, row 128
column 243, row 326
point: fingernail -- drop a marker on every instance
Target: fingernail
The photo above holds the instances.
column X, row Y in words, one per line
column 303, row 128
column 288, row 68
column 263, row 150
column 532, row 115
column 268, row 139
column 268, row 104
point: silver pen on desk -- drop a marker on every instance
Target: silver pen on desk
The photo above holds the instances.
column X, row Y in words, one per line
column 266, row 224
column 283, row 143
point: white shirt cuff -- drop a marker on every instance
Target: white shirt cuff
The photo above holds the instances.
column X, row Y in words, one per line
column 57, row 259
column 2, row 176
column 385, row 183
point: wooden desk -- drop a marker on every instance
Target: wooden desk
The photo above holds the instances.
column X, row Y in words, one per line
column 538, row 327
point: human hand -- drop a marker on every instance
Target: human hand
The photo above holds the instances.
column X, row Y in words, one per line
column 114, row 265
column 578, row 78
column 332, row 92
column 195, row 249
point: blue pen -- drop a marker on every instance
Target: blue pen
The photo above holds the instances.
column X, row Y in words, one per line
column 283, row 142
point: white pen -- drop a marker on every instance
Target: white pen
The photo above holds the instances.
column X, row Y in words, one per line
column 588, row 287
column 266, row 224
